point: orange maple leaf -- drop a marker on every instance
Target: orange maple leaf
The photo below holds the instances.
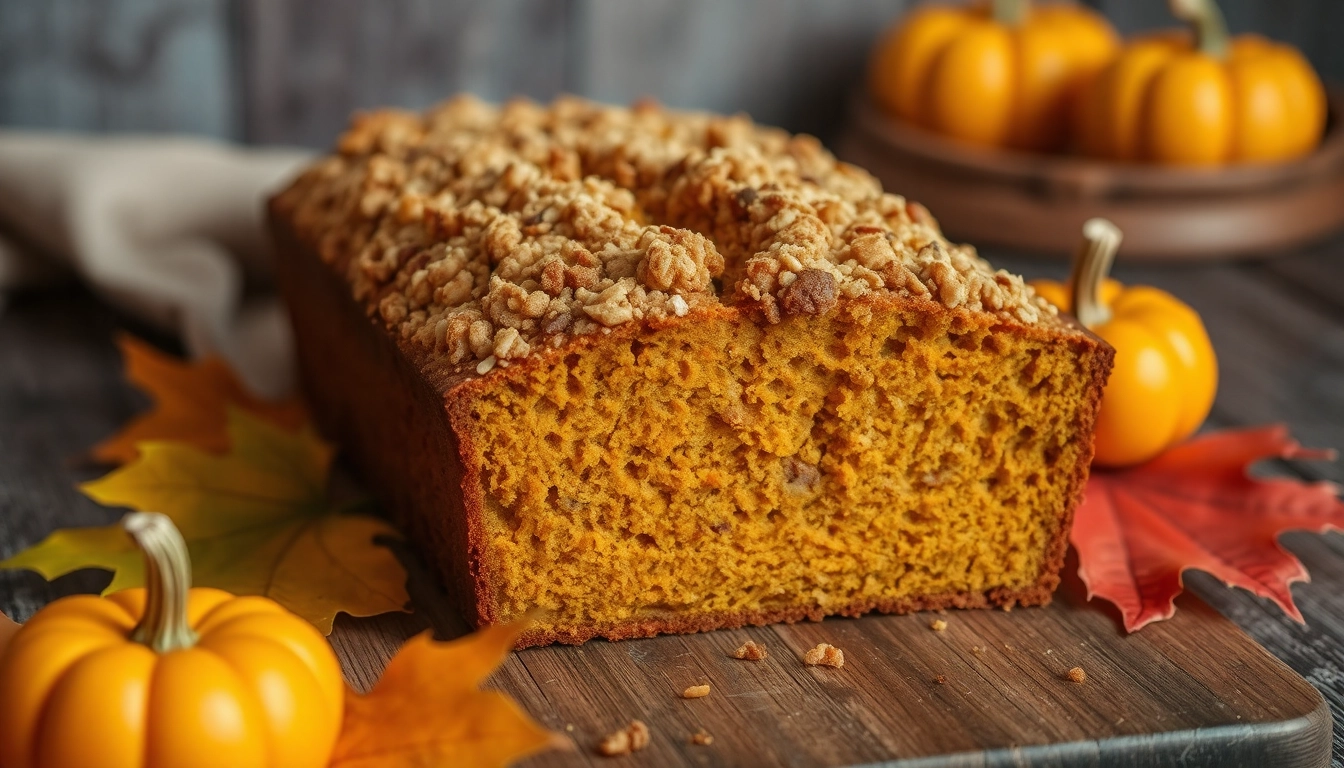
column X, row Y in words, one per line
column 190, row 403
column 1194, row 506
column 427, row 709
column 7, row 630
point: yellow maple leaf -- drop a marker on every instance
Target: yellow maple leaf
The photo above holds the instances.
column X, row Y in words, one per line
column 190, row 402
column 428, row 709
column 256, row 519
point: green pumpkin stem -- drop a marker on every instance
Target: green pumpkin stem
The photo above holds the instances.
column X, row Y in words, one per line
column 1101, row 239
column 164, row 625
column 1207, row 20
column 1009, row 12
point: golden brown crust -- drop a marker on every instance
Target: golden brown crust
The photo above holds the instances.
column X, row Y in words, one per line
column 481, row 234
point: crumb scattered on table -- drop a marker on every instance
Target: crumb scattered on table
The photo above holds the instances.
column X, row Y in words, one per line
column 978, row 649
column 632, row 738
column 702, row 738
column 569, row 727
column 751, row 651
column 1077, row 675
column 941, row 679
column 825, row 654
column 695, row 692
column 938, row 625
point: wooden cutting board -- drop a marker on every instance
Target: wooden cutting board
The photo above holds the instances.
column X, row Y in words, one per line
column 992, row 689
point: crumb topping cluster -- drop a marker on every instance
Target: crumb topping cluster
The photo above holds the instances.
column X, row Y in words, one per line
column 481, row 232
column 824, row 655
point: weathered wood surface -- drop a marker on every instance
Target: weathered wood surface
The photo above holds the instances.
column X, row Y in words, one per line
column 291, row 71
column 991, row 689
column 1279, row 329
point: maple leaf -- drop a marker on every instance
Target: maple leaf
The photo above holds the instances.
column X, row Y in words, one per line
column 1195, row 506
column 190, row 403
column 427, row 709
column 256, row 519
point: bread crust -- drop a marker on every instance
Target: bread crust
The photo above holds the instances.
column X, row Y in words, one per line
column 415, row 446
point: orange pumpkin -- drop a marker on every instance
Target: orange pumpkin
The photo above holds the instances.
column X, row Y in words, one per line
column 168, row 676
column 1206, row 100
column 1165, row 375
column 1001, row 75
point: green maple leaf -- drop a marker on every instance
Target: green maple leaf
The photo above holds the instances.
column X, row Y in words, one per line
column 256, row 519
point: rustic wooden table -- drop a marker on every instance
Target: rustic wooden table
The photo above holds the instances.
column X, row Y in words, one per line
column 1278, row 326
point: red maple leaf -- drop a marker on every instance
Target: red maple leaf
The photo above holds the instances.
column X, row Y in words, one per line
column 1194, row 506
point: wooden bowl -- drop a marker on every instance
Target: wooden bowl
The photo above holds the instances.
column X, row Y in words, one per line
column 1038, row 202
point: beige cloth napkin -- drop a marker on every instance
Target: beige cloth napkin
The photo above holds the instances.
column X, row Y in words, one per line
column 168, row 229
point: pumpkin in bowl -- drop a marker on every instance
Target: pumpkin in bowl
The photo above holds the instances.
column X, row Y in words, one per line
column 1206, row 99
column 1002, row 74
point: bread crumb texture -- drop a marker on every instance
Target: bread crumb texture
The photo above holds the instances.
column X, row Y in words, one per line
column 938, row 625
column 480, row 232
column 631, row 738
column 824, row 655
column 695, row 692
column 1077, row 675
column 702, row 738
column 835, row 464
column 751, row 651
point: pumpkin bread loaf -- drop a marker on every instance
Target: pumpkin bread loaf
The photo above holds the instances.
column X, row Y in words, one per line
column 644, row 371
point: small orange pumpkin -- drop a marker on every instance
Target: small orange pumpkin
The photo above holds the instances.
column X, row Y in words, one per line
column 1170, row 100
column 1002, row 74
column 1165, row 375
column 168, row 676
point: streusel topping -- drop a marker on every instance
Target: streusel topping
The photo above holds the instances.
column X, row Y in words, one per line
column 481, row 232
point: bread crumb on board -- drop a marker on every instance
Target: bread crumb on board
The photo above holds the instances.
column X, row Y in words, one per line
column 938, row 625
column 1076, row 675
column 751, row 651
column 826, row 655
column 702, row 738
column 940, row 679
column 695, row 692
column 632, row 738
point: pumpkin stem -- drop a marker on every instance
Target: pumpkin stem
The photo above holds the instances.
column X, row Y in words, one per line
column 1207, row 20
column 164, row 625
column 1101, row 239
column 1009, row 12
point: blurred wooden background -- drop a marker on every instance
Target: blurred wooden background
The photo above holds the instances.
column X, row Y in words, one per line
column 290, row 71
